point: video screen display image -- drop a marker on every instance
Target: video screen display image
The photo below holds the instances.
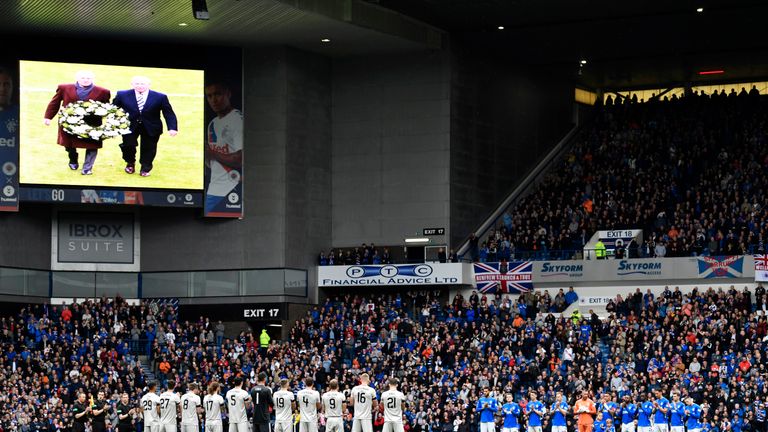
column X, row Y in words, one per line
column 144, row 130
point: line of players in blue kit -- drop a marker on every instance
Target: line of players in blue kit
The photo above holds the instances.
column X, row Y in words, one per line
column 649, row 415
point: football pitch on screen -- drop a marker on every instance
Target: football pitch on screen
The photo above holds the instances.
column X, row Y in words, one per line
column 179, row 160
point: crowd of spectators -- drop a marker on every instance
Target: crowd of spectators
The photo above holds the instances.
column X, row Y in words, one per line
column 371, row 254
column 50, row 353
column 691, row 172
column 708, row 345
column 365, row 254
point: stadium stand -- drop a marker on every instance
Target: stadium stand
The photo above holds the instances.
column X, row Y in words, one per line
column 365, row 254
column 689, row 171
column 51, row 353
column 371, row 254
column 706, row 345
column 421, row 125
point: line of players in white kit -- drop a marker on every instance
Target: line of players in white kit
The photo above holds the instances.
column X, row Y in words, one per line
column 160, row 412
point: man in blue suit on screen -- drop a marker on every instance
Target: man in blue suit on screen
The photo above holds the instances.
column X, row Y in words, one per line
column 144, row 107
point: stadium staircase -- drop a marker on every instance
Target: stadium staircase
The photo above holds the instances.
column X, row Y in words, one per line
column 234, row 328
column 605, row 350
column 600, row 310
column 534, row 176
column 144, row 363
column 604, row 343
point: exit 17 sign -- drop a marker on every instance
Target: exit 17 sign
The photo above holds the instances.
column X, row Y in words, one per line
column 434, row 231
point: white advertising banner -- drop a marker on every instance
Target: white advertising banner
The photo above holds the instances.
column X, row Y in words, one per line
column 393, row 274
column 761, row 268
column 642, row 269
column 595, row 301
column 522, row 276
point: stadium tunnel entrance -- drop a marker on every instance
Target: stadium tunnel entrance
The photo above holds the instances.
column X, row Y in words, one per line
column 237, row 318
column 274, row 328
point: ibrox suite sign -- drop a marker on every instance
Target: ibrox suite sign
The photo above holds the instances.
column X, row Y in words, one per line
column 95, row 238
column 390, row 274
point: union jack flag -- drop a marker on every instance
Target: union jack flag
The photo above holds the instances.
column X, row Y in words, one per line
column 518, row 278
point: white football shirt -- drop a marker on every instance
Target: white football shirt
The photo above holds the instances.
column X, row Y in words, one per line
column 283, row 400
column 149, row 402
column 332, row 401
column 393, row 405
column 212, row 405
column 363, row 397
column 236, row 399
column 189, row 404
column 308, row 400
column 169, row 403
column 225, row 137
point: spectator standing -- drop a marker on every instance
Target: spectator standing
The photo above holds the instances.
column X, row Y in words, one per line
column 441, row 257
column 600, row 250
column 220, row 333
column 264, row 341
column 474, row 250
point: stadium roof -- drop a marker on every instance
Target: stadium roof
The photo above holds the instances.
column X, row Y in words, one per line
column 625, row 43
column 352, row 26
column 561, row 30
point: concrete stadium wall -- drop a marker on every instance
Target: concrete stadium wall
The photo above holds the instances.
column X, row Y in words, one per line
column 341, row 151
column 26, row 237
column 174, row 241
column 391, row 147
column 287, row 184
column 503, row 120
column 287, row 177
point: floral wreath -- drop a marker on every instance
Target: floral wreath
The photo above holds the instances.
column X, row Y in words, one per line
column 77, row 119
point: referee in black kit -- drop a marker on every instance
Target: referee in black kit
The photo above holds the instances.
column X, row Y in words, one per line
column 261, row 396
column 80, row 411
column 99, row 413
column 124, row 414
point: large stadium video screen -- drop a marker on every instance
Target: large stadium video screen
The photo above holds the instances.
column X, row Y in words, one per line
column 99, row 127
column 83, row 146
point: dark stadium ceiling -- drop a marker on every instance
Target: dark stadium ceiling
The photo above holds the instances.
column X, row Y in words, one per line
column 625, row 43
column 353, row 26
column 595, row 28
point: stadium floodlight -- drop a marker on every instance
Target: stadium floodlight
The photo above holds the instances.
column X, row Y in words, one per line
column 417, row 240
column 200, row 10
